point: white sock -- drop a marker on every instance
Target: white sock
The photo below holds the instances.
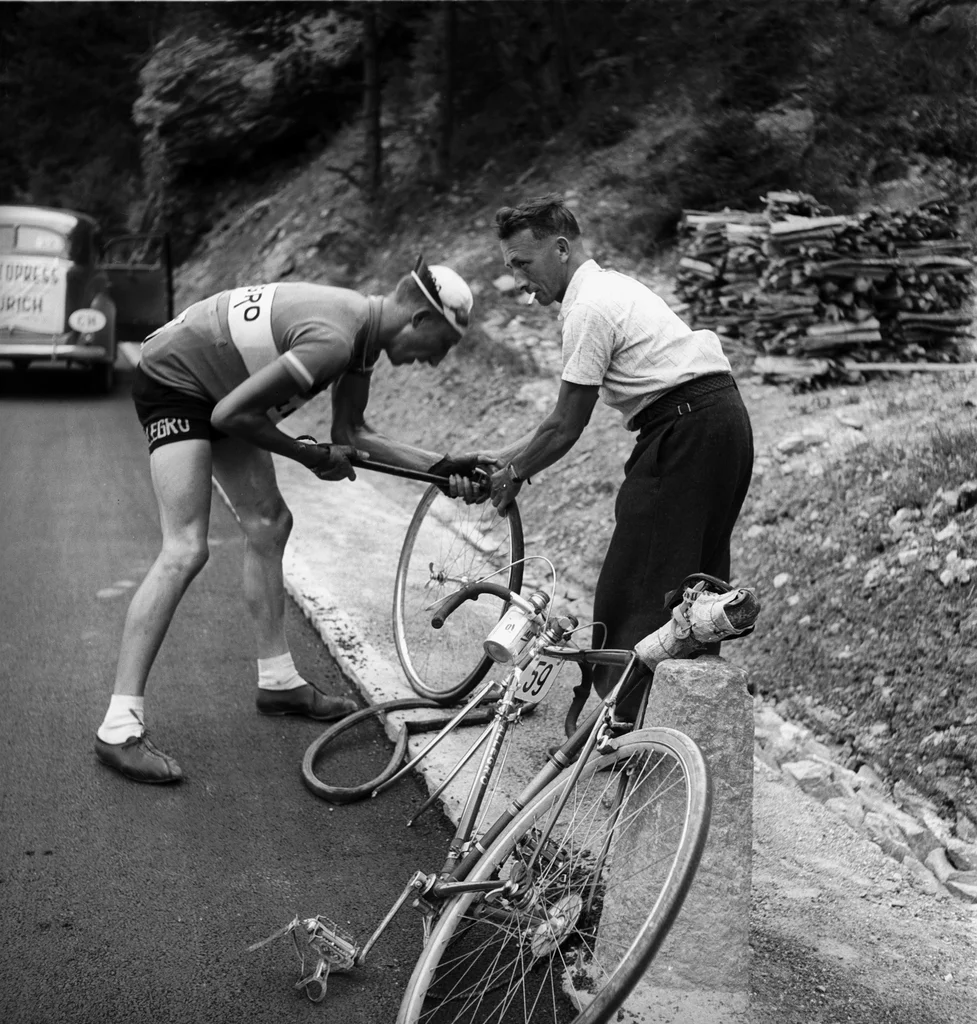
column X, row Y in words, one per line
column 278, row 673
column 123, row 720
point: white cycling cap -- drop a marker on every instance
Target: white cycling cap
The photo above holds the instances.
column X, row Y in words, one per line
column 446, row 291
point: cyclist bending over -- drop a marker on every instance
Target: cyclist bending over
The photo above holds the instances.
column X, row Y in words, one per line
column 211, row 386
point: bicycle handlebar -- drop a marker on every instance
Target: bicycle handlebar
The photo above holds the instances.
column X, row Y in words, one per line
column 472, row 592
column 589, row 655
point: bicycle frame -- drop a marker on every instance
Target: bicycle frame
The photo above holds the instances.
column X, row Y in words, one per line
column 575, row 750
column 429, row 892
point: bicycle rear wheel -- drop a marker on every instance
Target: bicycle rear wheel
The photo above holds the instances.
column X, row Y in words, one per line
column 449, row 544
column 591, row 904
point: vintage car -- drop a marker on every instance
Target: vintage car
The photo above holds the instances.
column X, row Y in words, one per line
column 68, row 300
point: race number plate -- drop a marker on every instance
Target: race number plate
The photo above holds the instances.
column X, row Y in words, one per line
column 536, row 681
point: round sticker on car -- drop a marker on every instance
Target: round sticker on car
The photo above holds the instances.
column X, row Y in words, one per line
column 87, row 321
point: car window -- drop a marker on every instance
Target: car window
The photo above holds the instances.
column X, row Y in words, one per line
column 32, row 239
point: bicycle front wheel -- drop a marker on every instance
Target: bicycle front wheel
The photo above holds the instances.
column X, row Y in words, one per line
column 590, row 896
column 449, row 544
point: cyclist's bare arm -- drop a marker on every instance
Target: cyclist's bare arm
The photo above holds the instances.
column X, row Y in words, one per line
column 349, row 400
column 244, row 413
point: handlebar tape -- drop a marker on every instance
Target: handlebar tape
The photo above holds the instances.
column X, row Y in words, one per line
column 471, row 592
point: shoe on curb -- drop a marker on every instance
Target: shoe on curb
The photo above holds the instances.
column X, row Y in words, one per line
column 139, row 759
column 304, row 700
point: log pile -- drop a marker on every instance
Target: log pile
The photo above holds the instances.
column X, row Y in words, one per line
column 799, row 283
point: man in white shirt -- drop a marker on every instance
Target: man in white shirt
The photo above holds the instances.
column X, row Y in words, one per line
column 690, row 469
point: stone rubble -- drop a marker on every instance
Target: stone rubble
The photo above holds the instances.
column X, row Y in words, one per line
column 941, row 856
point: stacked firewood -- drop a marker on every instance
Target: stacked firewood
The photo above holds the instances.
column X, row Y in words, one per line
column 721, row 266
column 725, row 256
column 796, row 281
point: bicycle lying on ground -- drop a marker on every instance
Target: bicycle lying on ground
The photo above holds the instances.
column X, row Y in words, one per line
column 533, row 917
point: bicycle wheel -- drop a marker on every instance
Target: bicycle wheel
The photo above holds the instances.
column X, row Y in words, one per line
column 591, row 904
column 449, row 544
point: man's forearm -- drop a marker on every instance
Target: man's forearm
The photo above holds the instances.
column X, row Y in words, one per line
column 548, row 445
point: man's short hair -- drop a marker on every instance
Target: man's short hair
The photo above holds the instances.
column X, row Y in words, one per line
column 545, row 216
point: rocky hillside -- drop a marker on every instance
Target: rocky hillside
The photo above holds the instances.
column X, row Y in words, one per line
column 859, row 532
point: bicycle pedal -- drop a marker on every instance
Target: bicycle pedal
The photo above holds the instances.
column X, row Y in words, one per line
column 335, row 945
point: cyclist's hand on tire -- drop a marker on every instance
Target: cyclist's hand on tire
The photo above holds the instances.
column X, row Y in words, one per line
column 460, row 471
column 331, row 461
column 473, row 490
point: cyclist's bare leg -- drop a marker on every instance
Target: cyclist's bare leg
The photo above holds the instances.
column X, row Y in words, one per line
column 181, row 474
column 247, row 476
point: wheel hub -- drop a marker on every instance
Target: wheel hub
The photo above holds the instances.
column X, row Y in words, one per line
column 561, row 920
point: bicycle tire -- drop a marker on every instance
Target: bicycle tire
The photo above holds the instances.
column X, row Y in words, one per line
column 448, row 544
column 349, row 794
column 483, row 963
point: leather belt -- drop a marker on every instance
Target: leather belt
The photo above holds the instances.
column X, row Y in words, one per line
column 678, row 400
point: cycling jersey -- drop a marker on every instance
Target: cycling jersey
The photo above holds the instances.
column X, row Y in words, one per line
column 217, row 343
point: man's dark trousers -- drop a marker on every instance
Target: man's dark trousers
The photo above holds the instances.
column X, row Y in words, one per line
column 685, row 483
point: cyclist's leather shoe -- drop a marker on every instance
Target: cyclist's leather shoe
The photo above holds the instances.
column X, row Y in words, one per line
column 139, row 759
column 304, row 700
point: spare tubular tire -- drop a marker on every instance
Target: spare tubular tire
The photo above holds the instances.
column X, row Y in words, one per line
column 350, row 794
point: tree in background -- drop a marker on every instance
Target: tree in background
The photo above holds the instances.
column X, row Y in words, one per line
column 176, row 110
column 372, row 103
column 69, row 80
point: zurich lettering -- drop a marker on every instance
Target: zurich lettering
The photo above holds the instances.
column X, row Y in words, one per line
column 21, row 304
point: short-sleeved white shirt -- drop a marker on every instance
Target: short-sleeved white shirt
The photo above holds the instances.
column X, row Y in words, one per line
column 619, row 335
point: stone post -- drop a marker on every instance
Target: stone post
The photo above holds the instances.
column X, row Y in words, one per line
column 701, row 974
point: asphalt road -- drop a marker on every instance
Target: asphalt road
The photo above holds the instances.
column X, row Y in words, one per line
column 129, row 903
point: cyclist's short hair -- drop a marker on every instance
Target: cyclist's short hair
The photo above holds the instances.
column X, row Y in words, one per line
column 543, row 215
column 409, row 293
